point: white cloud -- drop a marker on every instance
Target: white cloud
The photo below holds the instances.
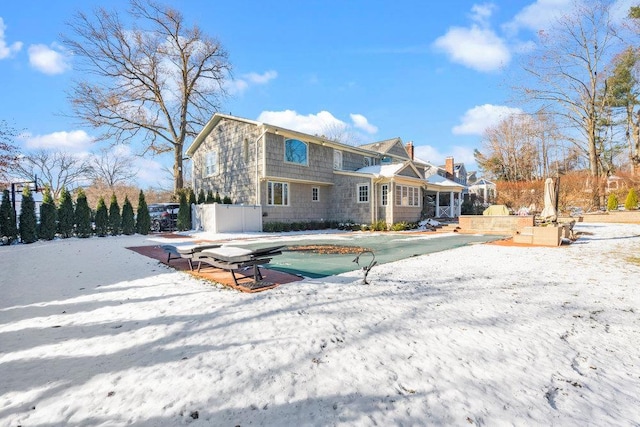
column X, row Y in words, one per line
column 49, row 60
column 361, row 122
column 479, row 118
column 539, row 15
column 73, row 141
column 477, row 48
column 313, row 124
column 7, row 50
column 433, row 155
column 323, row 123
column 481, row 13
column 240, row 85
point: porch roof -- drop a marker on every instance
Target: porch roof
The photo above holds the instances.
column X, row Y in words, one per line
column 444, row 183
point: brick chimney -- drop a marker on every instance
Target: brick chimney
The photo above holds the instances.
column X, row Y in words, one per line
column 409, row 148
column 448, row 166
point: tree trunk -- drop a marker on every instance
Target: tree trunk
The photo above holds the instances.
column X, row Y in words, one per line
column 178, row 182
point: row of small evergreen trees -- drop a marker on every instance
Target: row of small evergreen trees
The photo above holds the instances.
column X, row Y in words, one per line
column 69, row 219
column 630, row 203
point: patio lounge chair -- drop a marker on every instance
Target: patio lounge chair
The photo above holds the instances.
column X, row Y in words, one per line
column 232, row 258
column 186, row 251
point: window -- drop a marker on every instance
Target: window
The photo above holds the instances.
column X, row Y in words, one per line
column 211, row 163
column 315, row 194
column 366, row 161
column 363, row 193
column 407, row 196
column 245, row 150
column 296, row 151
column 337, row 160
column 384, row 199
column 277, row 193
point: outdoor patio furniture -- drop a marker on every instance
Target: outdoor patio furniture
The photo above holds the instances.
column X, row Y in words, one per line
column 233, row 258
column 186, row 251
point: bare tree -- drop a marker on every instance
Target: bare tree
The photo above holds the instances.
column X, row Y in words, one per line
column 112, row 167
column 56, row 169
column 157, row 80
column 7, row 149
column 568, row 77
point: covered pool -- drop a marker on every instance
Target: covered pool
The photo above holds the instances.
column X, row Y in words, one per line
column 317, row 256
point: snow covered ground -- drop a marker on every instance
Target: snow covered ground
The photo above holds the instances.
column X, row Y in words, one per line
column 92, row 334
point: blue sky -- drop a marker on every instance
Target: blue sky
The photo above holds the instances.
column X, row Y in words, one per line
column 435, row 73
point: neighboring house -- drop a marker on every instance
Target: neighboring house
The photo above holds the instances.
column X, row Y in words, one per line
column 299, row 177
column 484, row 191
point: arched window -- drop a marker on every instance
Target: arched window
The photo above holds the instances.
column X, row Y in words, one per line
column 296, row 151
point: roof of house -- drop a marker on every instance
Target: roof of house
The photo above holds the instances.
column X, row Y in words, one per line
column 441, row 181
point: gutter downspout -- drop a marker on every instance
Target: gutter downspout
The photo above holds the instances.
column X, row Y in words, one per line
column 257, row 175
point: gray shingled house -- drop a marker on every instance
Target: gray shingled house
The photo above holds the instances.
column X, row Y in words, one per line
column 299, row 177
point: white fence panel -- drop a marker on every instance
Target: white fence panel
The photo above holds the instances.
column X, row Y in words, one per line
column 219, row 218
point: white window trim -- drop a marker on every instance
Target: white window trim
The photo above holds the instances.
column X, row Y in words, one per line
column 384, row 202
column 358, row 186
column 216, row 164
column 317, row 191
column 285, row 189
column 337, row 165
column 413, row 194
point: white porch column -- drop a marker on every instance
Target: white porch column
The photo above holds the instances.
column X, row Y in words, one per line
column 459, row 204
column 452, row 205
column 437, row 204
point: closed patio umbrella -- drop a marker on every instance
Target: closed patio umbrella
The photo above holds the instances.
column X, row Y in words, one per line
column 549, row 211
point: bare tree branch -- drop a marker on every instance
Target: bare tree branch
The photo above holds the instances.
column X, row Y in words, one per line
column 156, row 80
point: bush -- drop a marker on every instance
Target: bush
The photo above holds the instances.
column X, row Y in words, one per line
column 217, row 199
column 115, row 219
column 66, row 215
column 8, row 229
column 631, row 202
column 227, row 200
column 183, row 214
column 380, row 225
column 128, row 220
column 201, row 197
column 47, row 230
column 612, row 203
column 28, row 222
column 83, row 215
column 143, row 220
column 210, row 199
column 102, row 218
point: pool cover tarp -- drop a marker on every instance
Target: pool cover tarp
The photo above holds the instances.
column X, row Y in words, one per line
column 387, row 247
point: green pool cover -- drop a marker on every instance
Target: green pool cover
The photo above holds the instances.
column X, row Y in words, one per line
column 386, row 247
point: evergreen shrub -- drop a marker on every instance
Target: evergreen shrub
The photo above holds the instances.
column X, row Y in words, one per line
column 128, row 219
column 612, row 202
column 8, row 228
column 102, row 218
column 48, row 226
column 83, row 216
column 631, row 202
column 28, row 222
column 143, row 220
column 66, row 215
column 115, row 219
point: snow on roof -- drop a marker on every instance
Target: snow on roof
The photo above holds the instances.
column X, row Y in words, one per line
column 382, row 170
column 442, row 181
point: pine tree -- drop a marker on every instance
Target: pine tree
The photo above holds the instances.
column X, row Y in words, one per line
column 612, row 202
column 8, row 229
column 143, row 220
column 183, row 213
column 128, row 220
column 209, row 198
column 227, row 200
column 115, row 220
column 102, row 218
column 201, row 197
column 65, row 215
column 217, row 199
column 631, row 202
column 48, row 226
column 83, row 215
column 28, row 221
